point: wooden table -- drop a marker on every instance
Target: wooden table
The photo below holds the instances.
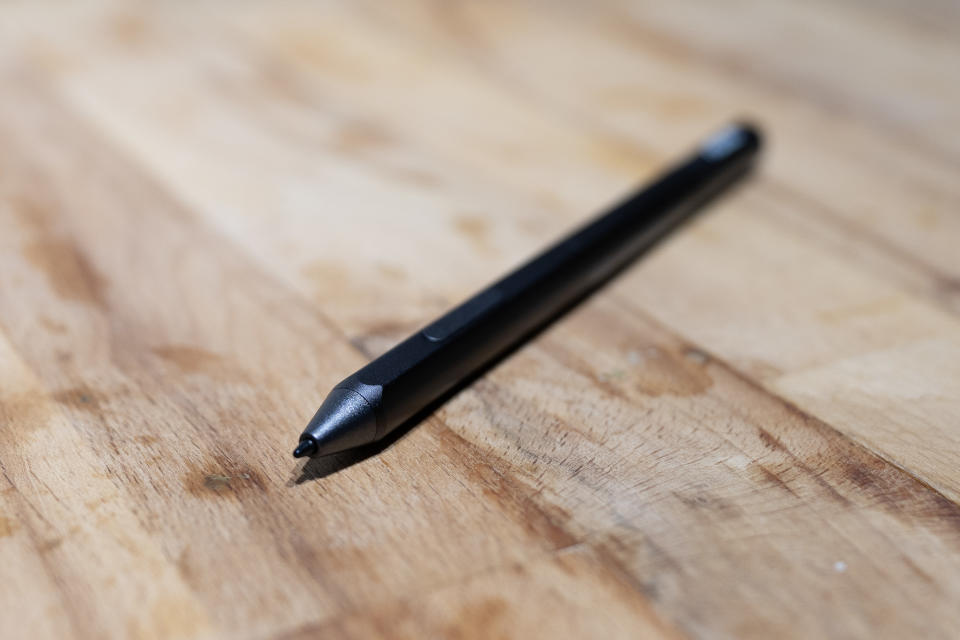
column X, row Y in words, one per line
column 753, row 433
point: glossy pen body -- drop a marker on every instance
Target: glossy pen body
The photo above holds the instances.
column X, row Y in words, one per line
column 398, row 385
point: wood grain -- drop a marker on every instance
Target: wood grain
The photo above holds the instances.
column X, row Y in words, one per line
column 751, row 433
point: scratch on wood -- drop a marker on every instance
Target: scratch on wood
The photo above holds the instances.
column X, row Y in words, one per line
column 222, row 477
column 766, row 476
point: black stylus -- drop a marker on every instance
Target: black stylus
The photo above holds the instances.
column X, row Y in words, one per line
column 412, row 376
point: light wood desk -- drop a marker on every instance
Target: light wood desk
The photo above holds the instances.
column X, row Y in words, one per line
column 753, row 433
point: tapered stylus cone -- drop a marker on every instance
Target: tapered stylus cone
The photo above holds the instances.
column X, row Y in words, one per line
column 344, row 421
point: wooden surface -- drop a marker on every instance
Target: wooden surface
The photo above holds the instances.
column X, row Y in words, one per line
column 753, row 433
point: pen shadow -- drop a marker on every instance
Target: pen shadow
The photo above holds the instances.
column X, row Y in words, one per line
column 317, row 468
